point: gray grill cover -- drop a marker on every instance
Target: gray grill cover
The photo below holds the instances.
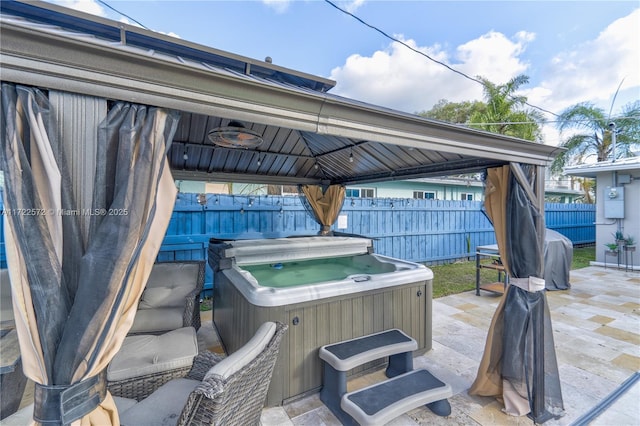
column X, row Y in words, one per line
column 558, row 254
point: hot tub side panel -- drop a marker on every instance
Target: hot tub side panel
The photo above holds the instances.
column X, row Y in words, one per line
column 316, row 323
column 405, row 307
column 236, row 321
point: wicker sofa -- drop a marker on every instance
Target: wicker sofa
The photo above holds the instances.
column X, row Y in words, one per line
column 217, row 390
column 171, row 298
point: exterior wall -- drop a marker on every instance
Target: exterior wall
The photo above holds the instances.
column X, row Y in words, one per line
column 442, row 190
column 630, row 225
column 201, row 187
column 405, row 189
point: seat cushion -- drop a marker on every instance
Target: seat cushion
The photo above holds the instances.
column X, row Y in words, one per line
column 237, row 360
column 141, row 355
column 161, row 408
column 123, row 404
column 156, row 320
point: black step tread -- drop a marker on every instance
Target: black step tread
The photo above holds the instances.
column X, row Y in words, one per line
column 351, row 353
column 391, row 398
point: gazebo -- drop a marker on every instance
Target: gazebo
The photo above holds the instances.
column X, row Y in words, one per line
column 102, row 116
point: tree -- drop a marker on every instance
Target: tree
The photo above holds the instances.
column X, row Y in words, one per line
column 506, row 112
column 592, row 139
column 454, row 112
column 502, row 112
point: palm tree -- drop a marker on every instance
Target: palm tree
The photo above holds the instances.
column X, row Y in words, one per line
column 505, row 112
column 593, row 136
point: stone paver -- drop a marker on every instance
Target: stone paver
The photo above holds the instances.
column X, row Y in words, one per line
column 596, row 331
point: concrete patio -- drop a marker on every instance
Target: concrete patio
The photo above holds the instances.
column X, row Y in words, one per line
column 597, row 335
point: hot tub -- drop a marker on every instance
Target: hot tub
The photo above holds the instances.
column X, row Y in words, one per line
column 326, row 289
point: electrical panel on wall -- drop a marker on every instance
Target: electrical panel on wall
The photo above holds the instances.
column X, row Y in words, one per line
column 614, row 202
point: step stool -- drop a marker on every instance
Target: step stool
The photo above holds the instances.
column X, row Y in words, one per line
column 382, row 402
column 339, row 358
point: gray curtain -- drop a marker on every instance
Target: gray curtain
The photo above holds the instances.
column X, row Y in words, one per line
column 519, row 363
column 74, row 304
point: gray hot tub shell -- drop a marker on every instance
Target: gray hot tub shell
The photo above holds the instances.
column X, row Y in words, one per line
column 317, row 314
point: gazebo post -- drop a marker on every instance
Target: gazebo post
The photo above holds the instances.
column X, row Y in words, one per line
column 538, row 403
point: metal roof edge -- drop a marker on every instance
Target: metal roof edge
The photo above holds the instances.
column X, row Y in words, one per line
column 591, row 170
column 59, row 61
column 53, row 14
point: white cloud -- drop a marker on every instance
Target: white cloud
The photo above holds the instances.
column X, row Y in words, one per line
column 400, row 78
column 87, row 6
column 280, row 6
column 127, row 21
column 494, row 56
column 592, row 71
column 353, row 6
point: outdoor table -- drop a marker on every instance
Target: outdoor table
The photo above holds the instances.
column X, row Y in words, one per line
column 492, row 252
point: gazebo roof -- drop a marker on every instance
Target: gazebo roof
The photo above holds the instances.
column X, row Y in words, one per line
column 310, row 136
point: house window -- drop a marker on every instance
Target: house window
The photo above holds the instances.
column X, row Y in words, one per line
column 424, row 195
column 466, row 197
column 360, row 193
column 282, row 190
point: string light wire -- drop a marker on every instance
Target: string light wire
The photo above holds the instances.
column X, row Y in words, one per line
column 123, row 14
column 450, row 68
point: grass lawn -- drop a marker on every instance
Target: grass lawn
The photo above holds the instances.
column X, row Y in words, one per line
column 461, row 276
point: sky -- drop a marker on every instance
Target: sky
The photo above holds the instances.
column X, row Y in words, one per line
column 572, row 51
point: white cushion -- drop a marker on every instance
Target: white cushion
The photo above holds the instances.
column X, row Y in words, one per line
column 162, row 407
column 169, row 284
column 237, row 360
column 159, row 319
column 147, row 354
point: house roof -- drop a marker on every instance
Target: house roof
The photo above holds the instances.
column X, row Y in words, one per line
column 631, row 164
column 309, row 134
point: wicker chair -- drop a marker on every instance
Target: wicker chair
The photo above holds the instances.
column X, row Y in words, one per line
column 171, row 298
column 217, row 390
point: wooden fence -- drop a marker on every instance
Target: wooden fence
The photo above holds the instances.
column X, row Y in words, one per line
column 430, row 231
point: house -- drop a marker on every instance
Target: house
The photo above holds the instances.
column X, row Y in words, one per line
column 618, row 202
column 445, row 188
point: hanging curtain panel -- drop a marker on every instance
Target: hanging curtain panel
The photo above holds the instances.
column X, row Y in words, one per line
column 74, row 303
column 324, row 203
column 519, row 362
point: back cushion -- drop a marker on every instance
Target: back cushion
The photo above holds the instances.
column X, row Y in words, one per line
column 169, row 284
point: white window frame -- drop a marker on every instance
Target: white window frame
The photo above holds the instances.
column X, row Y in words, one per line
column 362, row 192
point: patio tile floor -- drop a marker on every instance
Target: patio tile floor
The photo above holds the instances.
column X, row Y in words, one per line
column 596, row 327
